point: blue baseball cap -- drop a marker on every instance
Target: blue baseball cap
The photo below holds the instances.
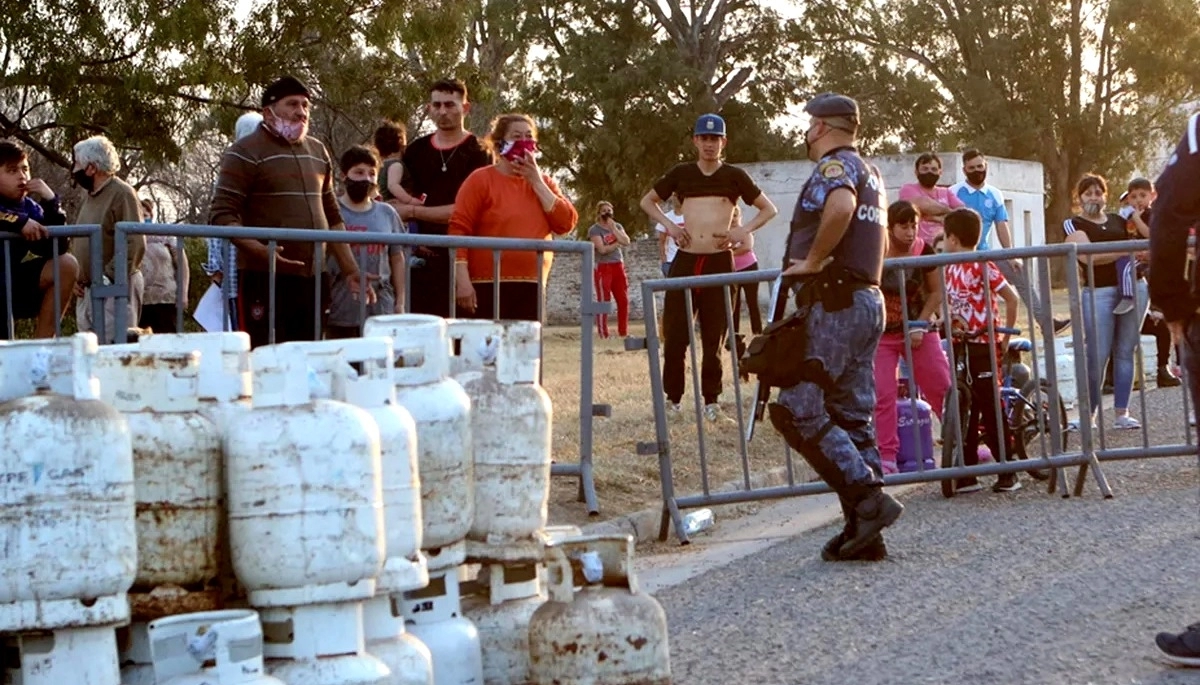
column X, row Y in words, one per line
column 710, row 125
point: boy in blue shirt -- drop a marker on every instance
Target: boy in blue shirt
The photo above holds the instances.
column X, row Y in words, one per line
column 30, row 259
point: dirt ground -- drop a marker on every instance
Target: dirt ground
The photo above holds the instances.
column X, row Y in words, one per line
column 625, row 481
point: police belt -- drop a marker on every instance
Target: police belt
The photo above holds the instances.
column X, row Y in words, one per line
column 834, row 288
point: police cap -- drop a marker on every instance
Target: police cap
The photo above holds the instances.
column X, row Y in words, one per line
column 832, row 105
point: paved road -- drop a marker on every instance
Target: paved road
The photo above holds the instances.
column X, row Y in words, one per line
column 982, row 589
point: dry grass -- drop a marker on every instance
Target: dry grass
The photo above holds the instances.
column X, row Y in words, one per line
column 625, row 481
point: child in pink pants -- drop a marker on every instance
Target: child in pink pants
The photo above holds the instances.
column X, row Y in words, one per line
column 929, row 367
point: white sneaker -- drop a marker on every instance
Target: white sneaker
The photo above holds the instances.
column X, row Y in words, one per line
column 674, row 411
column 1126, row 422
column 1073, row 426
column 1124, row 306
column 713, row 413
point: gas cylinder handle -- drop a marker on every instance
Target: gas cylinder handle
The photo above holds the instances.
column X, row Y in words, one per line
column 614, row 552
column 561, row 584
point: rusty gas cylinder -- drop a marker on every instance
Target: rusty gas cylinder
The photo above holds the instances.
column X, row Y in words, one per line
column 607, row 632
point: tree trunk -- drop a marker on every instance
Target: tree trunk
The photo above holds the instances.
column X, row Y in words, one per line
column 1058, row 208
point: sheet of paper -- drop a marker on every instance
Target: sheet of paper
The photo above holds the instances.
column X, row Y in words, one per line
column 209, row 312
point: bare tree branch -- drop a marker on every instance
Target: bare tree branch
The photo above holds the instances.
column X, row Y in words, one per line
column 10, row 128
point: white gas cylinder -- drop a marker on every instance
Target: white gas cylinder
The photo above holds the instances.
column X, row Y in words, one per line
column 133, row 651
column 177, row 477
column 608, row 632
column 370, row 387
column 66, row 514
column 320, row 644
column 209, row 648
column 511, row 418
column 303, row 483
column 433, row 614
column 501, row 609
column 225, row 379
column 1064, row 367
column 78, row 656
column 406, row 657
column 441, row 410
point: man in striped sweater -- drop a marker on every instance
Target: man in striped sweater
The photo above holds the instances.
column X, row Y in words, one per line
column 279, row 177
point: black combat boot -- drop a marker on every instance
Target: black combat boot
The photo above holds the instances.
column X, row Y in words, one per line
column 784, row 421
column 876, row 550
column 875, row 510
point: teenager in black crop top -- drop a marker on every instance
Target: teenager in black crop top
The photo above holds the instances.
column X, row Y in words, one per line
column 708, row 177
column 688, row 180
column 1106, row 332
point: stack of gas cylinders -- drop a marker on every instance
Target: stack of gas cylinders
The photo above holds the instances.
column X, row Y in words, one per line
column 369, row 511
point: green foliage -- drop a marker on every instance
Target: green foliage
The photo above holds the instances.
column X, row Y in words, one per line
column 622, row 83
column 1078, row 86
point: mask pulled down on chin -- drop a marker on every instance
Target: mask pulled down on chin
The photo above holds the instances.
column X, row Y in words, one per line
column 291, row 131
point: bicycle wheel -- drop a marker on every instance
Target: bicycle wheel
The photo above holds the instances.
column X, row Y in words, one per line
column 952, row 433
column 1028, row 424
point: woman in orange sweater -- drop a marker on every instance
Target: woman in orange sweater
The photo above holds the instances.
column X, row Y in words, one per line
column 510, row 199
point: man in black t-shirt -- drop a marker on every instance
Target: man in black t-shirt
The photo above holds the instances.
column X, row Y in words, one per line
column 437, row 165
column 708, row 190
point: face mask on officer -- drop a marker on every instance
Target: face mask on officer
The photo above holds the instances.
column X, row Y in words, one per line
column 928, row 179
column 810, row 141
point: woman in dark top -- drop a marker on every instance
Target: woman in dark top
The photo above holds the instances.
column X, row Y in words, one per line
column 1104, row 331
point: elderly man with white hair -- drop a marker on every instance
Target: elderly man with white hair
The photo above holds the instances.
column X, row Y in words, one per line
column 108, row 199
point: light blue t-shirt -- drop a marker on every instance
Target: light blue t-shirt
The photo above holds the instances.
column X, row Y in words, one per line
column 988, row 202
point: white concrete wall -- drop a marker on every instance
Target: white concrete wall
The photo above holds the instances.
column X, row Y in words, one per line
column 1020, row 181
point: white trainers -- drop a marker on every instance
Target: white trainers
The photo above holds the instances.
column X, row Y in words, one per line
column 674, row 411
column 1126, row 422
column 1124, row 306
column 713, row 413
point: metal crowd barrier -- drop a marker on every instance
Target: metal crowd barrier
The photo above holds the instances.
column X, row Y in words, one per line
column 1147, row 450
column 118, row 291
column 1051, row 454
column 98, row 292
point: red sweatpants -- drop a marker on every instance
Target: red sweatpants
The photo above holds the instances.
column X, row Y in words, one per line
column 612, row 284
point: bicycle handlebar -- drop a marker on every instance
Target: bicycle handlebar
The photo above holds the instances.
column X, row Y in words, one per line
column 1001, row 330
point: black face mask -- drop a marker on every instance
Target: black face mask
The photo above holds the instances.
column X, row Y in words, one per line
column 928, row 180
column 358, row 191
column 606, row 215
column 976, row 178
column 83, row 180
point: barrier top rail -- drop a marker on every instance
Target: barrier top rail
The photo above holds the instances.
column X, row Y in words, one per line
column 71, row 231
column 353, row 237
column 943, row 259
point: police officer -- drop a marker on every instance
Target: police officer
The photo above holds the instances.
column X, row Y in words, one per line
column 1173, row 289
column 836, row 249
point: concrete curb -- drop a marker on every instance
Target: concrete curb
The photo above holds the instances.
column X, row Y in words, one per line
column 643, row 524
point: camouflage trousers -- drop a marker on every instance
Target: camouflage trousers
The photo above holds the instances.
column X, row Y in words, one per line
column 834, row 411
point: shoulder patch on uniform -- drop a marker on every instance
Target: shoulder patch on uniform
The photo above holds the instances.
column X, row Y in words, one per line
column 832, row 168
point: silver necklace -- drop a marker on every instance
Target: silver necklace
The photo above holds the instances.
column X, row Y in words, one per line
column 446, row 159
